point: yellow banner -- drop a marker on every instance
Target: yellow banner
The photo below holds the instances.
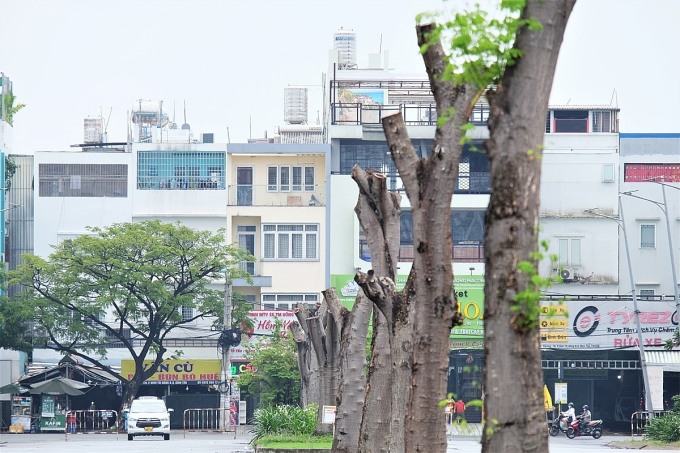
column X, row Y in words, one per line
column 554, row 323
column 187, row 371
column 554, row 310
column 554, row 337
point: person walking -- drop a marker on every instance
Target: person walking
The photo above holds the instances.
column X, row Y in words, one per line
column 459, row 410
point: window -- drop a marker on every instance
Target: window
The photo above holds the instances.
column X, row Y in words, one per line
column 285, row 178
column 571, row 121
column 290, row 241
column 602, row 121
column 192, row 170
column 647, row 236
column 288, row 301
column 187, row 313
column 569, row 252
column 246, row 241
column 647, row 294
column 83, row 180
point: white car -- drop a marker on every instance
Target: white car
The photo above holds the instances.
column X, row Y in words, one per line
column 148, row 416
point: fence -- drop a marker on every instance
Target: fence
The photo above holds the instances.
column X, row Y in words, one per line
column 92, row 421
column 640, row 419
column 210, row 419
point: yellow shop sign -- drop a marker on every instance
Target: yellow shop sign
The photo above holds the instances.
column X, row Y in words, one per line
column 187, row 371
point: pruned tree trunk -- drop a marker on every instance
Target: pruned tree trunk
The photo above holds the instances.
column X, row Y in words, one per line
column 378, row 212
column 515, row 419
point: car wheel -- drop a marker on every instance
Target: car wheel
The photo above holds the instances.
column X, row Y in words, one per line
column 571, row 433
column 130, row 437
column 166, row 436
column 554, row 431
column 597, row 433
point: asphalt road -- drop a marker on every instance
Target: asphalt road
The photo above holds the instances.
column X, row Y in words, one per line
column 210, row 442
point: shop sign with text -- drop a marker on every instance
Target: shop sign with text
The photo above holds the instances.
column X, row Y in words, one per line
column 186, row 371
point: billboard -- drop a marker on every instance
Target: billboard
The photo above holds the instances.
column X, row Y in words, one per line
column 610, row 324
column 469, row 291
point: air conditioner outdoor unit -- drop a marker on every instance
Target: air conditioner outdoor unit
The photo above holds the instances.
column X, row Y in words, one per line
column 567, row 273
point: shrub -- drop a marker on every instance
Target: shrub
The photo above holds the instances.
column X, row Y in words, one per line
column 285, row 420
column 665, row 428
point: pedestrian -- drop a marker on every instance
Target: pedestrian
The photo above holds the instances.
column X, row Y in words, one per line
column 459, row 410
column 71, row 421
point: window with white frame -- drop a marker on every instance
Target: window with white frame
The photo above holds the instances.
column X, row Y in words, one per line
column 295, row 242
column 288, row 301
column 187, row 313
column 602, row 121
column 290, row 178
column 569, row 253
column 647, row 236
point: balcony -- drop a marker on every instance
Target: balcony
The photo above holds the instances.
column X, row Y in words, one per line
column 262, row 195
column 356, row 114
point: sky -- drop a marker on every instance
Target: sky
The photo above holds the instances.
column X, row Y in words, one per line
column 225, row 63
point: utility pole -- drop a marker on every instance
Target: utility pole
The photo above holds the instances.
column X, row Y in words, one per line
column 225, row 395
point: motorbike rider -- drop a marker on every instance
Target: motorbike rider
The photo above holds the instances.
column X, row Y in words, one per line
column 584, row 418
column 570, row 413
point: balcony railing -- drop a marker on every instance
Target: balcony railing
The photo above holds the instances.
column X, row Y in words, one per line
column 266, row 195
column 413, row 114
column 462, row 252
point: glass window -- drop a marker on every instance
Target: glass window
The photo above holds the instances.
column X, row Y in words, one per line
column 569, row 251
column 288, row 301
column 309, row 179
column 82, row 180
column 187, row 313
column 272, row 178
column 290, row 241
column 647, row 236
column 191, row 170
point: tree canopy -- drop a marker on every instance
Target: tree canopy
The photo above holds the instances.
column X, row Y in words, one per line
column 132, row 282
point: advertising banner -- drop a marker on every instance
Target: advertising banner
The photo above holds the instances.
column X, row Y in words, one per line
column 469, row 291
column 606, row 324
column 183, row 371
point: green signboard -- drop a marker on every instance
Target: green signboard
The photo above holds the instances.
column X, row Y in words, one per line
column 469, row 291
column 56, row 423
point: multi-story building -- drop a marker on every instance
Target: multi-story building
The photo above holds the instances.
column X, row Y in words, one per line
column 270, row 198
column 581, row 180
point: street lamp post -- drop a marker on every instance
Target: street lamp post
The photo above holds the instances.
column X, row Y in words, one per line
column 643, row 359
column 664, row 207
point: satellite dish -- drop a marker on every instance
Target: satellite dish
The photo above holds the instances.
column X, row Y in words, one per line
column 173, row 126
column 186, row 126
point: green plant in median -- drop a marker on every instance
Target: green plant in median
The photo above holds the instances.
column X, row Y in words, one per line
column 666, row 428
column 285, row 420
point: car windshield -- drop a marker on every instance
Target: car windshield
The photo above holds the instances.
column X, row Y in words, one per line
column 148, row 406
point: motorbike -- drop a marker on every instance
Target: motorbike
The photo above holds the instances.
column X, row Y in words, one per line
column 559, row 424
column 591, row 428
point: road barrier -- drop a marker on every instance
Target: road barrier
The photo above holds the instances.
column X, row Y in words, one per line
column 640, row 419
column 210, row 419
column 92, row 421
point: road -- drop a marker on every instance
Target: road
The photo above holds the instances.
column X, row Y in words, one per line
column 227, row 443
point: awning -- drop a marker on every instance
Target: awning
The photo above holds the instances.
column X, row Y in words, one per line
column 669, row 359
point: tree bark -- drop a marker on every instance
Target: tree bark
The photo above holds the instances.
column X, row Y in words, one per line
column 429, row 184
column 378, row 211
column 515, row 419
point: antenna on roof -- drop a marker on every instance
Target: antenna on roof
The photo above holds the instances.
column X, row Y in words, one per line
column 185, row 125
column 614, row 96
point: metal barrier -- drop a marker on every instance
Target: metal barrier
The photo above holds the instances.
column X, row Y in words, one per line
column 640, row 419
column 210, row 419
column 92, row 421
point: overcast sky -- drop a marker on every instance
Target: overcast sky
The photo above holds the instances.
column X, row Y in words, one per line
column 230, row 60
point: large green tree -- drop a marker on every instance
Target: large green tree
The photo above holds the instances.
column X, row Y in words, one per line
column 128, row 277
